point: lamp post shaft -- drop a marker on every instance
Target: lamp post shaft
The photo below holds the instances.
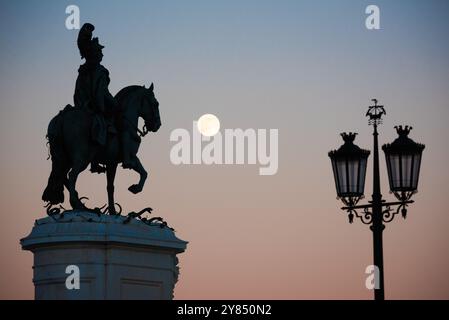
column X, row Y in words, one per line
column 377, row 224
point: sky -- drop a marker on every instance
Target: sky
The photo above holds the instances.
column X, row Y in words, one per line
column 306, row 68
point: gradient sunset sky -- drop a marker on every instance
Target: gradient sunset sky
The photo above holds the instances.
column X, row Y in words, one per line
column 306, row 68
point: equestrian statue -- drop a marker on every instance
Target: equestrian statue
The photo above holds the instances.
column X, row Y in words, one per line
column 100, row 129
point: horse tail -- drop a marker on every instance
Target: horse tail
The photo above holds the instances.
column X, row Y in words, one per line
column 54, row 192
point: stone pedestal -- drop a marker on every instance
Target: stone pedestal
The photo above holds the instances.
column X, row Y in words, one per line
column 116, row 260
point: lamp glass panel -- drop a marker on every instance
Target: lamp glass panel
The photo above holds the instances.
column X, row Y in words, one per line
column 334, row 170
column 362, row 175
column 406, row 170
column 353, row 170
column 395, row 173
column 416, row 167
column 342, row 181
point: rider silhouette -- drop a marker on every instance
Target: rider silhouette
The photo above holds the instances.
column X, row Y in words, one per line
column 91, row 90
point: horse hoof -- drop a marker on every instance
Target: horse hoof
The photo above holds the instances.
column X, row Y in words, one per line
column 135, row 188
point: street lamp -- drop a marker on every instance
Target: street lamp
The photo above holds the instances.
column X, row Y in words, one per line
column 403, row 157
column 349, row 166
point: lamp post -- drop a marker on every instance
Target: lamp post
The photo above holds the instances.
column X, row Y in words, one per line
column 349, row 162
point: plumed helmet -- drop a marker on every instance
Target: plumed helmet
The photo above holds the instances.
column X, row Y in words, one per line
column 88, row 47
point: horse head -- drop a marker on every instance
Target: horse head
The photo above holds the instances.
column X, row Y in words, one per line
column 149, row 110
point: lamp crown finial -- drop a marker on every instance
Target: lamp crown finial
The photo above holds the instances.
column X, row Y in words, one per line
column 348, row 137
column 403, row 130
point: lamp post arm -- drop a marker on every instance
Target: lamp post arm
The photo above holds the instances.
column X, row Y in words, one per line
column 384, row 204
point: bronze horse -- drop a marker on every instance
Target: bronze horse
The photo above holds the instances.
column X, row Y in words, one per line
column 72, row 147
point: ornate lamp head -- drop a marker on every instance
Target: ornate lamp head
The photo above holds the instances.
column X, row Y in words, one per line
column 403, row 158
column 349, row 167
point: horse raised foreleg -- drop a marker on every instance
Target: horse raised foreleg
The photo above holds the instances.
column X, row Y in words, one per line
column 71, row 184
column 110, row 174
column 137, row 166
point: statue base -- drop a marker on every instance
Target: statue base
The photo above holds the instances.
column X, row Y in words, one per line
column 81, row 255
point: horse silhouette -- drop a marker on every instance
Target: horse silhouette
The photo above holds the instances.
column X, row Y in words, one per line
column 72, row 147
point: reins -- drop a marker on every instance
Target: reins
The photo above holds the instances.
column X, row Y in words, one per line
column 142, row 133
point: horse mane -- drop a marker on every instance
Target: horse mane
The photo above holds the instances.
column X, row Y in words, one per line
column 126, row 92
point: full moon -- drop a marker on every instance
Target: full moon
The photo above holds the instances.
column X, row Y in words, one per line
column 208, row 125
